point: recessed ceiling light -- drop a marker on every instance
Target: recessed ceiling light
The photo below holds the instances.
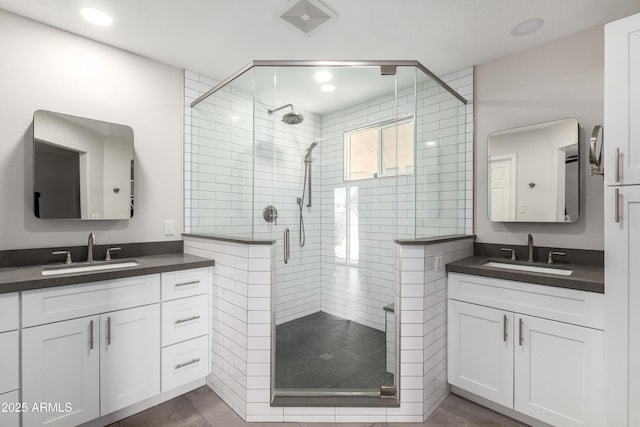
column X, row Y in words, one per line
column 96, row 16
column 527, row 27
column 327, row 88
column 322, row 76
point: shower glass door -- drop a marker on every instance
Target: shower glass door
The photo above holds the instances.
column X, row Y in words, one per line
column 334, row 155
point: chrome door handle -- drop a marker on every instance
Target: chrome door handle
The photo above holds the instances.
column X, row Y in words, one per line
column 286, row 246
column 189, row 319
column 520, row 331
column 108, row 330
column 193, row 282
column 191, row 362
column 617, row 206
column 91, row 335
column 617, row 165
column 504, row 328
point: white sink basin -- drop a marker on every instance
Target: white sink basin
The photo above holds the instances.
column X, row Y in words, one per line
column 88, row 267
column 530, row 268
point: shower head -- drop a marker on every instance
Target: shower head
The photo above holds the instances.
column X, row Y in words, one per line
column 307, row 158
column 291, row 118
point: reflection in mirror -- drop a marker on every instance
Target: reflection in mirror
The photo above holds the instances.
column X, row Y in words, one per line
column 83, row 168
column 534, row 173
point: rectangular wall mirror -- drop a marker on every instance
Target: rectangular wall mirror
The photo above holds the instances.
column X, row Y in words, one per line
column 533, row 173
column 83, row 168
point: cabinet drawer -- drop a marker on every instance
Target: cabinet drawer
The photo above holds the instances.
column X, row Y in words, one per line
column 8, row 312
column 565, row 305
column 185, row 362
column 42, row 306
column 184, row 283
column 184, row 319
column 12, row 417
column 8, row 362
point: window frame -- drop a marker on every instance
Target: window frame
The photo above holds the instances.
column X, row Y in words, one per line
column 380, row 126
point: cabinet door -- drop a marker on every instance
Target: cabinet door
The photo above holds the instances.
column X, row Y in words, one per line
column 10, row 417
column 9, row 311
column 129, row 357
column 60, row 366
column 559, row 372
column 8, row 361
column 622, row 101
column 622, row 295
column 480, row 356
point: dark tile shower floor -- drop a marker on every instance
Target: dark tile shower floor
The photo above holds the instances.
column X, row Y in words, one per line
column 325, row 351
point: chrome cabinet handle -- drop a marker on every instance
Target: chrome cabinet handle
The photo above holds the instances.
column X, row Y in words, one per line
column 617, row 206
column 189, row 319
column 617, row 165
column 504, row 328
column 520, row 331
column 91, row 335
column 191, row 362
column 193, row 282
column 108, row 330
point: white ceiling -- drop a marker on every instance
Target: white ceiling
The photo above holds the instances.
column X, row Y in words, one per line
column 218, row 37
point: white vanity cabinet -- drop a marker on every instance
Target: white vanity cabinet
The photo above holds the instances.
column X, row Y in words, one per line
column 622, row 219
column 87, row 362
column 185, row 326
column 536, row 349
column 9, row 309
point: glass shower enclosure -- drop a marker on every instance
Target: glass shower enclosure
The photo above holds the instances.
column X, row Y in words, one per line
column 332, row 162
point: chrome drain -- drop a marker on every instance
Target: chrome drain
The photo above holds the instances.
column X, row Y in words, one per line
column 326, row 356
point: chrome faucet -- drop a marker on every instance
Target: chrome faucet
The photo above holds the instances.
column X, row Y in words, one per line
column 530, row 246
column 91, row 242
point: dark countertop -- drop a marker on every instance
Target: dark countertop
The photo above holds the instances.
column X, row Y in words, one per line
column 30, row 277
column 584, row 277
column 434, row 239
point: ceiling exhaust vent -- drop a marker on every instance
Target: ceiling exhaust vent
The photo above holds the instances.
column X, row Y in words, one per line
column 306, row 15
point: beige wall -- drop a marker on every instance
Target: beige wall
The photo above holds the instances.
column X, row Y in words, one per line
column 45, row 68
column 563, row 78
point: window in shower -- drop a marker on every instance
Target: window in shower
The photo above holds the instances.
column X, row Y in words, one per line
column 347, row 241
column 385, row 149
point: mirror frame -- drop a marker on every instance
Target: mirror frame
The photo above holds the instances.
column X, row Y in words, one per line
column 94, row 157
column 520, row 205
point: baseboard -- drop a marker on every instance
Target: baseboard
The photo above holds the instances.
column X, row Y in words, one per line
column 145, row 404
column 499, row 408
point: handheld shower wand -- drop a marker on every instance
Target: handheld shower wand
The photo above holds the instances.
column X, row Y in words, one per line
column 307, row 181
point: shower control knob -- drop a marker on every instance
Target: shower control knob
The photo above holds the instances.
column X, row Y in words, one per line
column 270, row 214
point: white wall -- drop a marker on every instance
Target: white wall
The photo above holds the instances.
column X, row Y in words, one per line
column 45, row 68
column 560, row 79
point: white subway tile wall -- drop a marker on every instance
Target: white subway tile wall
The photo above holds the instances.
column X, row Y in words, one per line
column 241, row 335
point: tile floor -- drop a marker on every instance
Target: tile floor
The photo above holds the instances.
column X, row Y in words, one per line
column 203, row 408
column 325, row 351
